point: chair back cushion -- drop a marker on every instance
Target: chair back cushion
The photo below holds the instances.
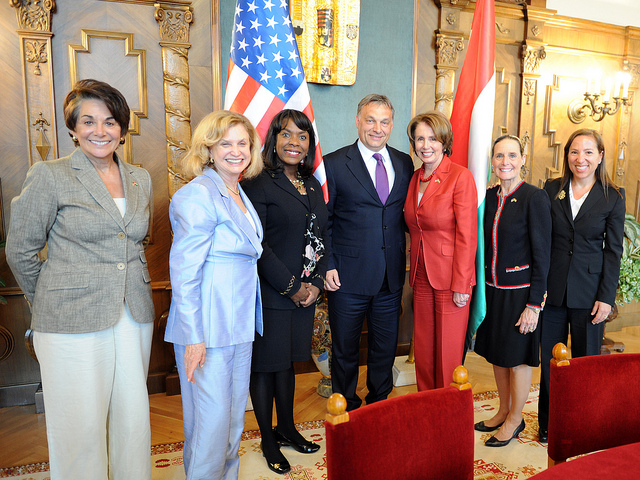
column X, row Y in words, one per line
column 594, row 403
column 424, row 435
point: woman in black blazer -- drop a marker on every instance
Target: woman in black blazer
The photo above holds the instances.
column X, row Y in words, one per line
column 587, row 212
column 517, row 239
column 291, row 207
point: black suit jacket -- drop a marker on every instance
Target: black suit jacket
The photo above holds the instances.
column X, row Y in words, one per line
column 517, row 241
column 283, row 213
column 367, row 237
column 585, row 252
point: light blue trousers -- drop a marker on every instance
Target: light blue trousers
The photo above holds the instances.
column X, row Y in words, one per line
column 213, row 411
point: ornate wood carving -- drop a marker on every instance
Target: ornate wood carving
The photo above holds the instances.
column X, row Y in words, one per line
column 7, row 343
column 529, row 89
column 174, row 37
column 34, row 16
column 531, row 58
column 447, row 49
column 42, row 144
column 36, row 53
column 34, row 30
column 140, row 74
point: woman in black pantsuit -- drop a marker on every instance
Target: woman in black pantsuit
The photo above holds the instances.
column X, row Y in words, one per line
column 587, row 211
column 517, row 230
column 291, row 207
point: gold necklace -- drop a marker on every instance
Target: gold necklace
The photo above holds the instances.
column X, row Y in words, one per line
column 237, row 191
column 299, row 184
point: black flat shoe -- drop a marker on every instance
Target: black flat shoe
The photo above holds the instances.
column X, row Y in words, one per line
column 494, row 442
column 280, row 465
column 543, row 435
column 481, row 427
column 302, row 447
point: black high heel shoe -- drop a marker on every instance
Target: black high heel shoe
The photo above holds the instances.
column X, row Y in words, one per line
column 278, row 465
column 303, row 447
column 494, row 442
column 481, row 427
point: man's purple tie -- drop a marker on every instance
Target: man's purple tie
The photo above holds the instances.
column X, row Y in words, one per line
column 382, row 180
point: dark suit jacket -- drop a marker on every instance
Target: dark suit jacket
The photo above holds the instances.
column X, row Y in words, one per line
column 517, row 241
column 585, row 252
column 367, row 237
column 284, row 213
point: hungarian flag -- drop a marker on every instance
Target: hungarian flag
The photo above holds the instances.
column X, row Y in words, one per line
column 265, row 74
column 472, row 122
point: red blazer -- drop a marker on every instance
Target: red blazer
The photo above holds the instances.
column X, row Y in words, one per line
column 444, row 226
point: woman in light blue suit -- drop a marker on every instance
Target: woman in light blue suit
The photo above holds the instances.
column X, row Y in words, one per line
column 216, row 307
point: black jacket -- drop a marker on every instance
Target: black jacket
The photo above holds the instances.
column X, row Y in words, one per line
column 518, row 241
column 585, row 252
column 283, row 213
column 367, row 237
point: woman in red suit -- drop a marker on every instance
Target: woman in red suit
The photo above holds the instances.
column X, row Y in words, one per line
column 441, row 214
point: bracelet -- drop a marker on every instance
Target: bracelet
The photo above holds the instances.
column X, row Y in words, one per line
column 535, row 309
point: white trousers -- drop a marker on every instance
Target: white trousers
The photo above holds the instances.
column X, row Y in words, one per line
column 213, row 411
column 96, row 401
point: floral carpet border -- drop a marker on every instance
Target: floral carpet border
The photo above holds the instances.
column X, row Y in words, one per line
column 178, row 446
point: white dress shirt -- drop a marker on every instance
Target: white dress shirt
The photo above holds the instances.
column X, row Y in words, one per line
column 371, row 163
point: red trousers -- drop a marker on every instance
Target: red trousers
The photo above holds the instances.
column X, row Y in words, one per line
column 439, row 332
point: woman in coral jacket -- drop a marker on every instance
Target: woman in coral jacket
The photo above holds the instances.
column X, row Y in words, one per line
column 441, row 214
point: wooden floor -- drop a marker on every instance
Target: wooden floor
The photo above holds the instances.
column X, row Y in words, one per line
column 23, row 436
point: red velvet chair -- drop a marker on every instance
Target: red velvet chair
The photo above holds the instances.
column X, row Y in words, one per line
column 594, row 403
column 424, row 435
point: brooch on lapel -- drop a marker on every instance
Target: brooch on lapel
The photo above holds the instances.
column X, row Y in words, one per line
column 514, row 200
column 135, row 184
column 437, row 180
column 561, row 195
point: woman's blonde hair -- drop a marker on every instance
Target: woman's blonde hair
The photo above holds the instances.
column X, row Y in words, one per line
column 208, row 133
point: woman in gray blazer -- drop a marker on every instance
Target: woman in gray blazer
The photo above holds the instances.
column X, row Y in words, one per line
column 215, row 305
column 91, row 306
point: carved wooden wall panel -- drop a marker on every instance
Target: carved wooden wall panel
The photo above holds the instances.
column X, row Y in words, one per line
column 111, row 56
column 425, row 58
column 116, row 39
column 34, row 30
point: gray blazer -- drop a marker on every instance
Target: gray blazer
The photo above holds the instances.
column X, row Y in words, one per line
column 95, row 257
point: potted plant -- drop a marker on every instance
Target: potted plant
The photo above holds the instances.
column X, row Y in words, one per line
column 629, row 283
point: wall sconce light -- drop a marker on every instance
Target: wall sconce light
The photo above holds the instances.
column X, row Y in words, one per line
column 579, row 108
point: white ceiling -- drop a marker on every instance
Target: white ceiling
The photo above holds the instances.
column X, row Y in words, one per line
column 617, row 12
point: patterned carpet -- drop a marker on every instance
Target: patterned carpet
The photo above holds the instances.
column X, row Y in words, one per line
column 522, row 458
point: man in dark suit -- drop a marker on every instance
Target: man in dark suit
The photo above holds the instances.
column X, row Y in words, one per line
column 368, row 184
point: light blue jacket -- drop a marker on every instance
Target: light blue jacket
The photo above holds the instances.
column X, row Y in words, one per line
column 213, row 265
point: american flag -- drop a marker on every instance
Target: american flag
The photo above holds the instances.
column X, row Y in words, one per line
column 265, row 72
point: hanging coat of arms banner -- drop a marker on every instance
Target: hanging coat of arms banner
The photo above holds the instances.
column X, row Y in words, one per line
column 327, row 33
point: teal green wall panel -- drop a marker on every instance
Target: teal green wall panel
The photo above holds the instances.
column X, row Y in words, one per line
column 384, row 66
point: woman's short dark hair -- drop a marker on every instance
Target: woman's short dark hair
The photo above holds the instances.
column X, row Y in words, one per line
column 278, row 123
column 441, row 129
column 96, row 90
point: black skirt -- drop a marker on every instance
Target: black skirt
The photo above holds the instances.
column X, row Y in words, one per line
column 286, row 338
column 498, row 339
